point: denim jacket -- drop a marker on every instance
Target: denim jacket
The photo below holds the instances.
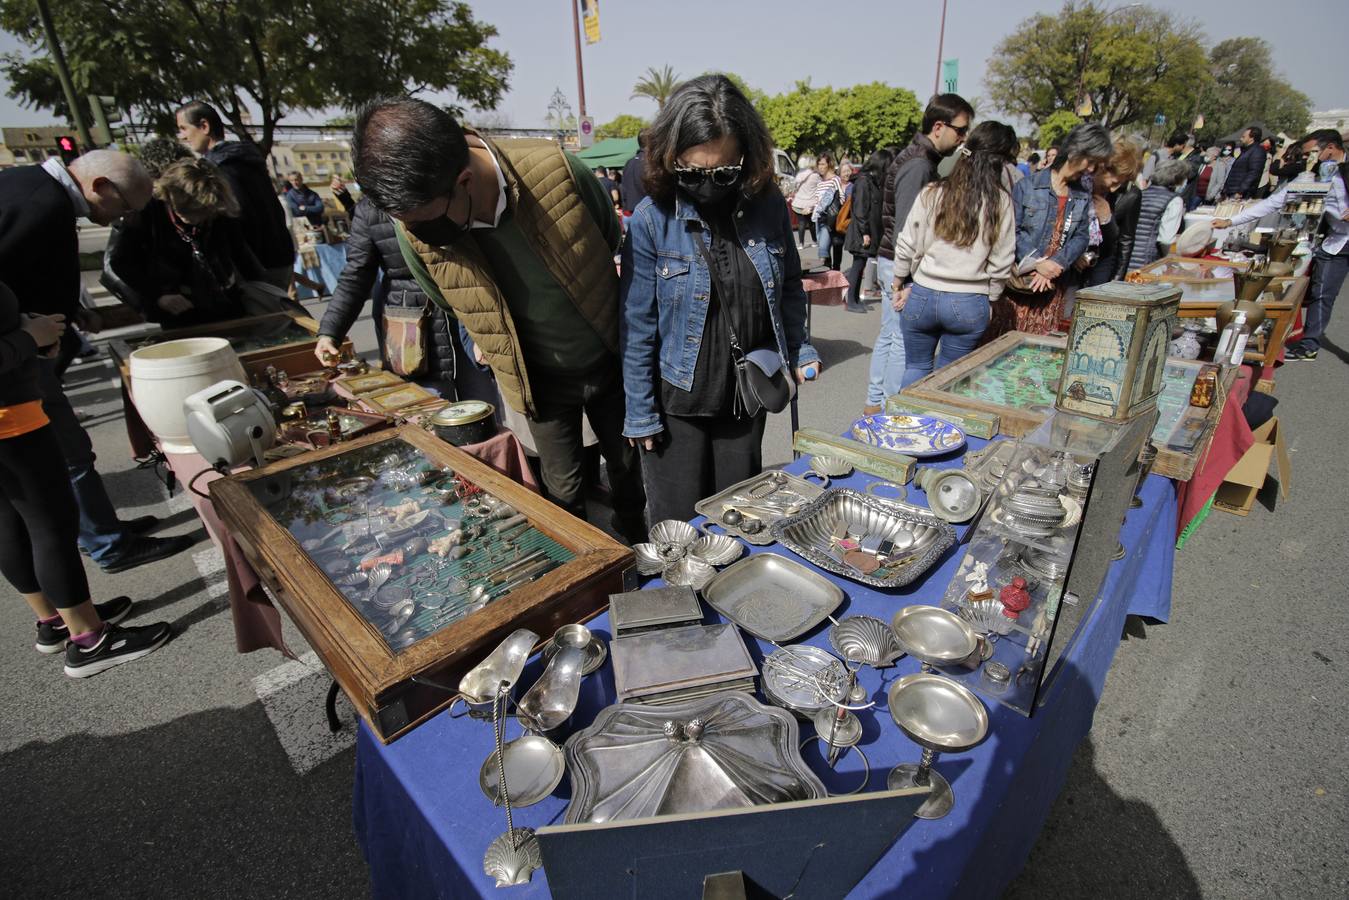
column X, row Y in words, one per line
column 1036, row 209
column 665, row 288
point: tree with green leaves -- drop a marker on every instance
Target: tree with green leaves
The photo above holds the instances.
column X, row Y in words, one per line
column 1056, row 125
column 272, row 56
column 1127, row 64
column 877, row 115
column 622, row 126
column 1245, row 89
column 656, row 84
column 805, row 120
column 856, row 119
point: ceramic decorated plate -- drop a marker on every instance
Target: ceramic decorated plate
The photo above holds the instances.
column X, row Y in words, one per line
column 917, row 436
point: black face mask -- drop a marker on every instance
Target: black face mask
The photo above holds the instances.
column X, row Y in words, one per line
column 441, row 232
column 709, row 193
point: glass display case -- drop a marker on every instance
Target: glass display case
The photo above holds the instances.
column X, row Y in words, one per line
column 400, row 558
column 1033, row 569
column 1016, row 378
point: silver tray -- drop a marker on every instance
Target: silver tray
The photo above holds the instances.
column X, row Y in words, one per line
column 712, row 506
column 808, row 534
column 772, row 597
column 726, row 751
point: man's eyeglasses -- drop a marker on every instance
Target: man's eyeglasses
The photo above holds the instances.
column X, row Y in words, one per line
column 960, row 130
column 723, row 176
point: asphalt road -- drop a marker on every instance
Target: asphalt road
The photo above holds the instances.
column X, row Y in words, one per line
column 1217, row 765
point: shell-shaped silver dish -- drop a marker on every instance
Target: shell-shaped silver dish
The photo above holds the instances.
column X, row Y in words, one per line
column 985, row 616
column 717, row 549
column 832, row 466
column 690, row 571
column 512, row 858
column 673, row 533
column 866, row 640
column 919, row 540
column 649, row 560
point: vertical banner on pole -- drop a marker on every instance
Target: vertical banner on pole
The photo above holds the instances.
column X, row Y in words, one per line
column 590, row 15
column 950, row 75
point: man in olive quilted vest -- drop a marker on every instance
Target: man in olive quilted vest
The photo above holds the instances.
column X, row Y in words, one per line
column 515, row 238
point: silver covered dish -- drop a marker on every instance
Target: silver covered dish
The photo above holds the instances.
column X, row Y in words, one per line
column 916, row 541
column 726, row 751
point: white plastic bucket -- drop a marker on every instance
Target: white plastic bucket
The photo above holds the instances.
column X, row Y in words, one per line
column 164, row 375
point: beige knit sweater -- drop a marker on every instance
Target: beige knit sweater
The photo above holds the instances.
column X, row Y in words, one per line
column 941, row 265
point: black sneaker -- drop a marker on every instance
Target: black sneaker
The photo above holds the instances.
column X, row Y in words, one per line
column 145, row 550
column 140, row 524
column 51, row 638
column 1298, row 354
column 117, row 645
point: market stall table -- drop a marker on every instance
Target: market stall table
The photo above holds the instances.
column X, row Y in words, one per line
column 423, row 823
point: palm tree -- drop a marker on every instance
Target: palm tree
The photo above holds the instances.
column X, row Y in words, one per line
column 658, row 85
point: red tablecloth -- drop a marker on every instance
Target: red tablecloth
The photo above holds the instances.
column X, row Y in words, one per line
column 825, row 288
column 1231, row 440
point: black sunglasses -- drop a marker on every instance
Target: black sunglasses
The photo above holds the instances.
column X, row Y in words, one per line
column 724, row 176
column 961, row 130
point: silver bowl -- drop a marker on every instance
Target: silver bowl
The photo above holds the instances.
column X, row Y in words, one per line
column 866, row 640
column 831, row 466
column 717, row 549
column 579, row 636
column 691, row 572
column 952, row 494
column 649, row 561
column 673, row 538
column 934, row 635
column 937, row 713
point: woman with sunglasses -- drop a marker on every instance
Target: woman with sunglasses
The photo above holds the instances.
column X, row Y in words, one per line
column 710, row 276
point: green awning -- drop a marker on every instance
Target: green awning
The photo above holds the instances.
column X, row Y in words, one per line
column 612, row 153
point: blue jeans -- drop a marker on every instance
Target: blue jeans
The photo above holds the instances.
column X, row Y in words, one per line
column 102, row 535
column 887, row 357
column 957, row 321
column 1327, row 278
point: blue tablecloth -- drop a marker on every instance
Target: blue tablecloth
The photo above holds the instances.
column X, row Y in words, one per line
column 332, row 260
column 423, row 823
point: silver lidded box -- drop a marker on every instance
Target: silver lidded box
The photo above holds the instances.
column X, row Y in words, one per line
column 636, row 612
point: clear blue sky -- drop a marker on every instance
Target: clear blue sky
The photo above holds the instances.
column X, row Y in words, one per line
column 773, row 44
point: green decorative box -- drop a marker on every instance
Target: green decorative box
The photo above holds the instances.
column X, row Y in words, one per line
column 979, row 424
column 876, row 461
column 1116, row 354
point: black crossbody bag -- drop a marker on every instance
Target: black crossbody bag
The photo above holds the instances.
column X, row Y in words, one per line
column 762, row 382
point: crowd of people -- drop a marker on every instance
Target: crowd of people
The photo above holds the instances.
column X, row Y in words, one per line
column 490, row 265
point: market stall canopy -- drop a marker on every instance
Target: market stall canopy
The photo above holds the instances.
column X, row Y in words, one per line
column 612, row 153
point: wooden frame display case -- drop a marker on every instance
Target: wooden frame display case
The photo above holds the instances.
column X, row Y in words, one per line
column 402, row 560
column 1016, row 378
column 285, row 340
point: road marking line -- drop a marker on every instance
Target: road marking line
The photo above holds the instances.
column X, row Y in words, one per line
column 293, row 695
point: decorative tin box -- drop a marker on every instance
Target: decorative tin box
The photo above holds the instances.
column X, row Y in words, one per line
column 1117, row 350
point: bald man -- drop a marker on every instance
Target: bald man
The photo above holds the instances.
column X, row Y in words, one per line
column 39, row 260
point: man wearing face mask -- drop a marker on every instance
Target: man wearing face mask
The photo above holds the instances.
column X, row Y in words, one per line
column 1330, row 262
column 1244, row 176
column 516, row 238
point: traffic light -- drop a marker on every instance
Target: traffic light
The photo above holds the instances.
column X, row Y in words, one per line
column 109, row 127
column 65, row 145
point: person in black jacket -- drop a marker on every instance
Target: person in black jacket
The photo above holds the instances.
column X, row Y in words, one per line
column 372, row 248
column 1115, row 197
column 304, row 200
column 863, row 237
column 263, row 220
column 39, row 260
column 183, row 260
column 1244, row 177
column 39, row 519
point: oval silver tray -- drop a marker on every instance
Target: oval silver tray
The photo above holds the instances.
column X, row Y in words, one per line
column 810, row 532
column 712, row 507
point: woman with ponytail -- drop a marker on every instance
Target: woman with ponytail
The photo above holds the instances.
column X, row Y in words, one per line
column 958, row 245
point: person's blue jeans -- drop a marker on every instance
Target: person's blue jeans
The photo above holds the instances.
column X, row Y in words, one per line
column 930, row 319
column 887, row 356
column 102, row 535
column 1327, row 278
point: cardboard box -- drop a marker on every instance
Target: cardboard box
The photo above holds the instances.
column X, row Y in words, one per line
column 1238, row 491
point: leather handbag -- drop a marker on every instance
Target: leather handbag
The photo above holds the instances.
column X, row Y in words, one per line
column 762, row 382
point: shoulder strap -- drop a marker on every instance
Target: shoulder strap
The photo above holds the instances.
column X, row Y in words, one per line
column 736, row 349
column 418, row 269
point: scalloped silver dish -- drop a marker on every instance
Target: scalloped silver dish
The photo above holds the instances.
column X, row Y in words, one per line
column 649, row 561
column 921, row 538
column 866, row 640
column 672, row 538
column 694, row 573
column 717, row 549
column 831, row 466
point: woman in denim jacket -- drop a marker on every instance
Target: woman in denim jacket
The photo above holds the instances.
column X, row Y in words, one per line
column 709, row 175
column 1051, row 209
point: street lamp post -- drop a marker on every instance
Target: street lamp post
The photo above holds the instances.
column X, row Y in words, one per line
column 941, row 41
